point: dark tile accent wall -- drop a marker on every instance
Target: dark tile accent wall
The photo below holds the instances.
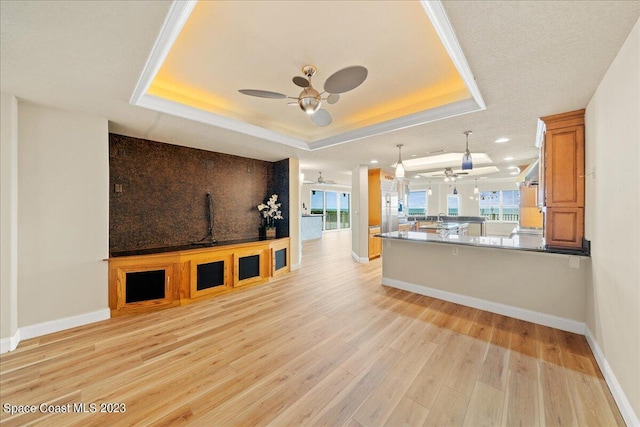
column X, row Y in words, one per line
column 158, row 194
column 280, row 185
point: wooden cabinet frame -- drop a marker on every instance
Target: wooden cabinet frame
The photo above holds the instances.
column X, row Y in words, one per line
column 263, row 267
column 275, row 247
column 563, row 183
column 118, row 284
column 196, row 260
column 181, row 273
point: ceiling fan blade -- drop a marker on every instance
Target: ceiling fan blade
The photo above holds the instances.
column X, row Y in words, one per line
column 346, row 79
column 262, row 93
column 322, row 118
column 333, row 98
column 301, row 81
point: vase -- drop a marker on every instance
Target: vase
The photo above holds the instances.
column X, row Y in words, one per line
column 270, row 232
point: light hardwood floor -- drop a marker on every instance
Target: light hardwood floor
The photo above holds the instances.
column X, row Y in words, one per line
column 324, row 345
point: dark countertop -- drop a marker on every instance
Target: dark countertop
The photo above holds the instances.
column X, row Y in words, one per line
column 186, row 247
column 515, row 243
column 434, row 218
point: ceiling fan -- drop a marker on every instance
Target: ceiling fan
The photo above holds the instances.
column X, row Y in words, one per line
column 449, row 175
column 310, row 100
column 320, row 180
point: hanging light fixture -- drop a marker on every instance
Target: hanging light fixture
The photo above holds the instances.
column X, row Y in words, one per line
column 475, row 190
column 399, row 165
column 467, row 163
column 429, row 192
column 455, row 190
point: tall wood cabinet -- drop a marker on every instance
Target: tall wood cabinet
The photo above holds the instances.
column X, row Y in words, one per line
column 563, row 183
column 376, row 179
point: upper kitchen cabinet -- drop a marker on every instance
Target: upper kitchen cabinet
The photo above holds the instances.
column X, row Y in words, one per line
column 564, row 160
column 563, row 182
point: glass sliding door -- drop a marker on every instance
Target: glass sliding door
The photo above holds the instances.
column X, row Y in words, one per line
column 330, row 210
column 335, row 206
column 317, row 202
column 345, row 210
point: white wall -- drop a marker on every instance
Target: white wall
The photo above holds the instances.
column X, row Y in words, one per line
column 295, row 209
column 63, row 214
column 360, row 214
column 8, row 221
column 533, row 286
column 612, row 221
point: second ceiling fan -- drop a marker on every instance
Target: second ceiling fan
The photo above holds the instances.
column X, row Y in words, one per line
column 310, row 100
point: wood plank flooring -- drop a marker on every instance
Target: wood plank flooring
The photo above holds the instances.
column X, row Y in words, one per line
column 325, row 345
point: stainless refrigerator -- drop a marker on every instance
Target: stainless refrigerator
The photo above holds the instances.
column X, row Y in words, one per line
column 389, row 206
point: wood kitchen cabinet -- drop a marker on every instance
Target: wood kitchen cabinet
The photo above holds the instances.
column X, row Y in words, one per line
column 563, row 181
column 377, row 179
column 375, row 243
column 564, row 227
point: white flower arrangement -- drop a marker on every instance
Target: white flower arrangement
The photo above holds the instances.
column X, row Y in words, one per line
column 270, row 211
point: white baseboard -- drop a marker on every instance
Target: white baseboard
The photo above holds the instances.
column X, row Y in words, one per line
column 361, row 260
column 630, row 417
column 494, row 307
column 44, row 328
column 10, row 344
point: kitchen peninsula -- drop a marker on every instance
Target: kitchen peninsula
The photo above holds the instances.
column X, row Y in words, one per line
column 311, row 226
column 509, row 276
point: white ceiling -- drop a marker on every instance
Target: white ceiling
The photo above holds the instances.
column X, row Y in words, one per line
column 529, row 59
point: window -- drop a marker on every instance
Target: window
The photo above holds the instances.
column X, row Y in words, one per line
column 336, row 208
column 417, row 203
column 453, row 205
column 500, row 205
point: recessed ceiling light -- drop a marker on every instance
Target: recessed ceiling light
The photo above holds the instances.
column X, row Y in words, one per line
column 501, row 140
column 417, row 176
column 508, row 158
column 512, row 167
column 514, row 173
column 374, row 161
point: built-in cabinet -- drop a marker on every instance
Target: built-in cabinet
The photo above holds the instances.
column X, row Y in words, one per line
column 137, row 284
column 150, row 282
column 375, row 243
column 563, row 183
column 376, row 179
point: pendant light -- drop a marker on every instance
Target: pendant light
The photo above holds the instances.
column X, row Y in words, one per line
column 399, row 165
column 475, row 189
column 467, row 163
column 455, row 190
column 429, row 192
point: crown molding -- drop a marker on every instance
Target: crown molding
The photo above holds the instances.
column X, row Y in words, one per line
column 174, row 23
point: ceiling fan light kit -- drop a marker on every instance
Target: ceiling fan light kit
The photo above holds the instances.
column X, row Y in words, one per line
column 310, row 100
column 467, row 162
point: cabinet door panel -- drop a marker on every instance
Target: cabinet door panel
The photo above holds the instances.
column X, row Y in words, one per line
column 564, row 227
column 564, row 168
